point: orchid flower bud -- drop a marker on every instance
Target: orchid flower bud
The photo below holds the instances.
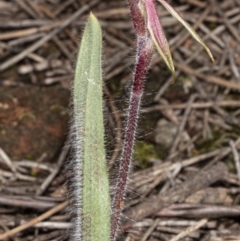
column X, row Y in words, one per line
column 157, row 34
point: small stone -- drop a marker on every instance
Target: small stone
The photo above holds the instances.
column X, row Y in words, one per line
column 165, row 132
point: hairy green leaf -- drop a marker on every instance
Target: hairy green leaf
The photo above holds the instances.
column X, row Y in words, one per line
column 94, row 224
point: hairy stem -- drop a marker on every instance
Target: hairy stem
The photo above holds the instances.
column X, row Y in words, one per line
column 144, row 54
column 137, row 17
column 145, row 21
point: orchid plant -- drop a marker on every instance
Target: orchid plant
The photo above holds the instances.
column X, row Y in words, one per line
column 150, row 35
column 93, row 220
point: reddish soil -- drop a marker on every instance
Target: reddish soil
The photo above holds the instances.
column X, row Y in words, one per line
column 33, row 120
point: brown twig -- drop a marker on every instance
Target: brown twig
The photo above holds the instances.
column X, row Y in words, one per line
column 34, row 221
column 54, row 172
column 46, row 38
column 190, row 230
column 178, row 194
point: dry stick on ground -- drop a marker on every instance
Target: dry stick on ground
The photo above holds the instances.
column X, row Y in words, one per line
column 46, row 38
column 50, row 15
column 6, row 159
column 180, row 222
column 157, row 174
column 111, row 62
column 62, row 6
column 54, row 235
column 53, row 174
column 197, row 105
column 56, row 40
column 150, row 230
column 230, row 27
column 197, row 3
column 231, row 58
column 53, row 225
column 182, row 125
column 165, row 85
column 212, row 35
column 210, row 79
column 190, row 230
column 235, row 158
column 174, row 231
column 152, row 173
column 14, row 201
column 30, row 31
column 177, row 194
column 31, row 164
column 199, row 211
column 26, row 8
column 23, row 40
column 221, row 155
column 6, row 229
column 114, row 41
column 17, row 175
column 34, row 221
column 25, row 23
column 226, row 116
column 206, row 130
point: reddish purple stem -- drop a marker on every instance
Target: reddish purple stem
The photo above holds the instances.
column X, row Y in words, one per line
column 137, row 18
column 144, row 54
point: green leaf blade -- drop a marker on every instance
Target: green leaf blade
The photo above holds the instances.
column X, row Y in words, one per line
column 88, row 122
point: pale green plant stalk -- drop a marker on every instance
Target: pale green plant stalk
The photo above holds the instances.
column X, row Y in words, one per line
column 90, row 185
